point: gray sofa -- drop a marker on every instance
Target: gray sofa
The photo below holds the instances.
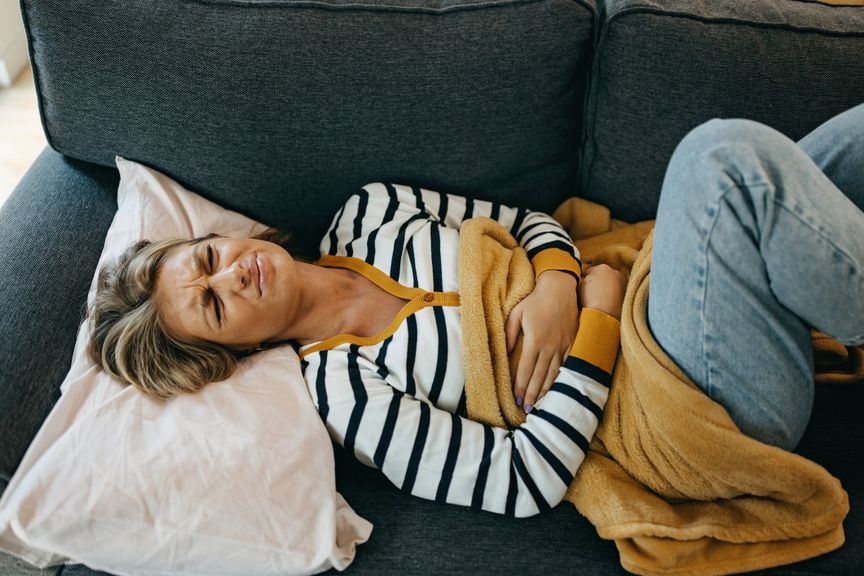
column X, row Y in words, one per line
column 280, row 109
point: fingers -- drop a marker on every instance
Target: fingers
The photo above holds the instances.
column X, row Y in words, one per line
column 548, row 319
column 536, row 382
column 524, row 374
column 549, row 379
column 514, row 325
column 542, row 375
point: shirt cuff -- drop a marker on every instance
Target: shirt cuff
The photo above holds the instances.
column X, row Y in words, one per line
column 556, row 259
column 597, row 339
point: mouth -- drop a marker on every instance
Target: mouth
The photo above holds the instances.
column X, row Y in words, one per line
column 258, row 274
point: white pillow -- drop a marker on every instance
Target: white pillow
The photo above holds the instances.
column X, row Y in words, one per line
column 236, row 479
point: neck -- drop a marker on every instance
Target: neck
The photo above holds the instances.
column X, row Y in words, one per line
column 322, row 306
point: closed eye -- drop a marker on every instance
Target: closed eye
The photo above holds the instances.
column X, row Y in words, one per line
column 211, row 295
column 217, row 308
column 209, row 258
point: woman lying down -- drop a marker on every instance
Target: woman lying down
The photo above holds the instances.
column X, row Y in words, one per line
column 378, row 322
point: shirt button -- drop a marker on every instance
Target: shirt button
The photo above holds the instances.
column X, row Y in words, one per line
column 428, row 297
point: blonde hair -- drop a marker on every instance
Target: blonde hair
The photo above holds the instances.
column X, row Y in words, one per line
column 129, row 338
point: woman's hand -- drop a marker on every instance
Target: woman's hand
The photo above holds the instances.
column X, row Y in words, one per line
column 603, row 288
column 549, row 319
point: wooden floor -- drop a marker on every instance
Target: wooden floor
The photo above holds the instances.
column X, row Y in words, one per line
column 21, row 136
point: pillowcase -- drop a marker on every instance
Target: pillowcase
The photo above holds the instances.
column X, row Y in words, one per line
column 236, row 479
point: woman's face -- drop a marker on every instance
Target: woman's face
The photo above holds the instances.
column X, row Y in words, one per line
column 227, row 290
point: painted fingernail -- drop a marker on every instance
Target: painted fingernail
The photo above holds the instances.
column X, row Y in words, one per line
column 528, row 408
column 518, row 401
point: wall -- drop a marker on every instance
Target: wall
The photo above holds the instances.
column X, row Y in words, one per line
column 13, row 45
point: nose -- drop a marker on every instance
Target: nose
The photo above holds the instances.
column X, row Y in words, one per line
column 233, row 278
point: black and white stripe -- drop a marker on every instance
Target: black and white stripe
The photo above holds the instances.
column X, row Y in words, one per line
column 397, row 404
column 385, row 216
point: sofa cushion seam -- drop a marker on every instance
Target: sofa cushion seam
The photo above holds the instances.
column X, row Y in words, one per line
column 733, row 21
column 373, row 7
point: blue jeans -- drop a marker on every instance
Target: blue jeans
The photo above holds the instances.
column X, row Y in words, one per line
column 757, row 240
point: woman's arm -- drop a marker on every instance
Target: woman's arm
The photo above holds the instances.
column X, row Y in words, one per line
column 440, row 456
column 374, row 223
column 353, row 231
column 541, row 315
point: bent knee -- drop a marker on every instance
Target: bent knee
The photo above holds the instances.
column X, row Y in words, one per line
column 721, row 154
column 730, row 141
column 733, row 132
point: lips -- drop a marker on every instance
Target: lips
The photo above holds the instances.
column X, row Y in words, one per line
column 255, row 270
column 259, row 274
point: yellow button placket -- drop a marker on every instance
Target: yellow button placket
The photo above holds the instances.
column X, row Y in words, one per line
column 417, row 300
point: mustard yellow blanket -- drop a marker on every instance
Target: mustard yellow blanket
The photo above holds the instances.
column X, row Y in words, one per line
column 669, row 477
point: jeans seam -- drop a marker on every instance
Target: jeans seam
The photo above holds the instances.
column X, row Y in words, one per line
column 712, row 210
column 856, row 266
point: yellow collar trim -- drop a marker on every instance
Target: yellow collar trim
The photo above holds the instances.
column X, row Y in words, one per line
column 417, row 300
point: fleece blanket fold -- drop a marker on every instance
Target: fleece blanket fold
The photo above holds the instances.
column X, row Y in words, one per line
column 668, row 477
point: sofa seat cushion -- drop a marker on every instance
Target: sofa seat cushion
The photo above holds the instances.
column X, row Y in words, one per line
column 665, row 66
column 415, row 537
column 282, row 109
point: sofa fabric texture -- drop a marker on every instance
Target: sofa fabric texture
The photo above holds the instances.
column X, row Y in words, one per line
column 281, row 109
column 665, row 66
column 416, row 538
column 51, row 235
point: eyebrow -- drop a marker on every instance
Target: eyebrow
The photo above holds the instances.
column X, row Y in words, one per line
column 196, row 259
column 201, row 299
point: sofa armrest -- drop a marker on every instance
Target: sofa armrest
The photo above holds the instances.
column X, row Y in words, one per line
column 51, row 233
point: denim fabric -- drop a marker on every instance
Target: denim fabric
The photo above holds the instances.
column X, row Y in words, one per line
column 666, row 66
column 51, row 233
column 754, row 244
column 282, row 109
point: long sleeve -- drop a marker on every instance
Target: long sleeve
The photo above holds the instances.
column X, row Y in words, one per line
column 440, row 456
column 398, row 404
column 381, row 215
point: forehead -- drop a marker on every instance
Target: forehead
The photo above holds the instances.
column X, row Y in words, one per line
column 178, row 296
column 179, row 264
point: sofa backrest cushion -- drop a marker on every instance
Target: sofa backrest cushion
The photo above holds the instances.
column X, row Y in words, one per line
column 665, row 66
column 281, row 109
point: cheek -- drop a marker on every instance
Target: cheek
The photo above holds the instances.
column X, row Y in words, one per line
column 256, row 315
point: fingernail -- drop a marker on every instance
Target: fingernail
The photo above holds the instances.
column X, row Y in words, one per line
column 518, row 401
column 528, row 408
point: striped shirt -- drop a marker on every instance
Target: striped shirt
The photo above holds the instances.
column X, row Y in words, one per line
column 396, row 400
